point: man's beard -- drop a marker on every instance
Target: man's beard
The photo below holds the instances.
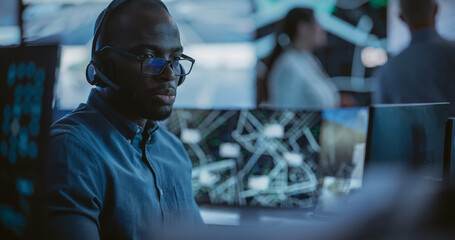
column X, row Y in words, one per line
column 153, row 112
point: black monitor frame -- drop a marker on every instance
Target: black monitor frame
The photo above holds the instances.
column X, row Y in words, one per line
column 449, row 152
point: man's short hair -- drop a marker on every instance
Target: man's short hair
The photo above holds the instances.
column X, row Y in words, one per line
column 107, row 34
column 417, row 11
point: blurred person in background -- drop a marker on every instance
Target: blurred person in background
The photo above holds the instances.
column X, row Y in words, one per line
column 295, row 78
column 424, row 71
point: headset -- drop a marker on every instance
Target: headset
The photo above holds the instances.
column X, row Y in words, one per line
column 93, row 73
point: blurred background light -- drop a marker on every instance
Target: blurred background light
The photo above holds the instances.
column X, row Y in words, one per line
column 226, row 41
column 9, row 23
column 373, row 57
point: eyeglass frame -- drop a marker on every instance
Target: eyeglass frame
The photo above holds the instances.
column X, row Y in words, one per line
column 143, row 57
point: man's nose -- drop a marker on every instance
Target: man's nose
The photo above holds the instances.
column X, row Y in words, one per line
column 168, row 74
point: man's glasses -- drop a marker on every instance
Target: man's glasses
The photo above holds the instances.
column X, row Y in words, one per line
column 155, row 66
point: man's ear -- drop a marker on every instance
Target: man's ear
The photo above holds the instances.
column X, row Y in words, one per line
column 106, row 64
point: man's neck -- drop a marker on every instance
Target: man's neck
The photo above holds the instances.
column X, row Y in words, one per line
column 121, row 107
column 424, row 25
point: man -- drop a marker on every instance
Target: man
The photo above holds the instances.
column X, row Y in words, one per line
column 423, row 72
column 113, row 173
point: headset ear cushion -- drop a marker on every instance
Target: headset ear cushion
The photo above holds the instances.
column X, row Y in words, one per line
column 90, row 73
column 95, row 77
column 181, row 80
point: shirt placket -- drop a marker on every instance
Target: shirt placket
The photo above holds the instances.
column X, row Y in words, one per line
column 158, row 184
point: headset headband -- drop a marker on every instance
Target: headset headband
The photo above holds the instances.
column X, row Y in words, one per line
column 100, row 20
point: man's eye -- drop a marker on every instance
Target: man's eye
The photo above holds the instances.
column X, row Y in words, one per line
column 176, row 58
column 146, row 55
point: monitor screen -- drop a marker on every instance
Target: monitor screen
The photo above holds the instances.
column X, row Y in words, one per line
column 221, row 41
column 274, row 158
column 251, row 157
column 26, row 89
column 342, row 139
column 408, row 135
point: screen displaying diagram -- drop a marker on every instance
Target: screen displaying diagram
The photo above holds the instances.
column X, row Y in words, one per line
column 251, row 157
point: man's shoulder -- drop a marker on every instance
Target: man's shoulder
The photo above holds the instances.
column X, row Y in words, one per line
column 448, row 46
column 444, row 43
column 433, row 52
column 408, row 56
column 430, row 47
column 83, row 119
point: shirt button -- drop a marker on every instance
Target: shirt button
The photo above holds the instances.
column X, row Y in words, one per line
column 161, row 192
column 129, row 141
column 138, row 130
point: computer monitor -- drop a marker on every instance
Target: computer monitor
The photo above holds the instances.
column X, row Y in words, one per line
column 449, row 152
column 27, row 76
column 409, row 136
column 264, row 158
column 274, row 158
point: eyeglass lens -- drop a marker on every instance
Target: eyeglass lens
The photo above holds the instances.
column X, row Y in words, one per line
column 155, row 66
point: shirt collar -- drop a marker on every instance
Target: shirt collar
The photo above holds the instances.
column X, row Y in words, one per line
column 424, row 35
column 126, row 127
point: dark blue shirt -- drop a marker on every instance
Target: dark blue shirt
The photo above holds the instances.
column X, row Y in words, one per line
column 423, row 72
column 103, row 181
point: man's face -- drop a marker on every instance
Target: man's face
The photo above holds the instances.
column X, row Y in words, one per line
column 144, row 31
